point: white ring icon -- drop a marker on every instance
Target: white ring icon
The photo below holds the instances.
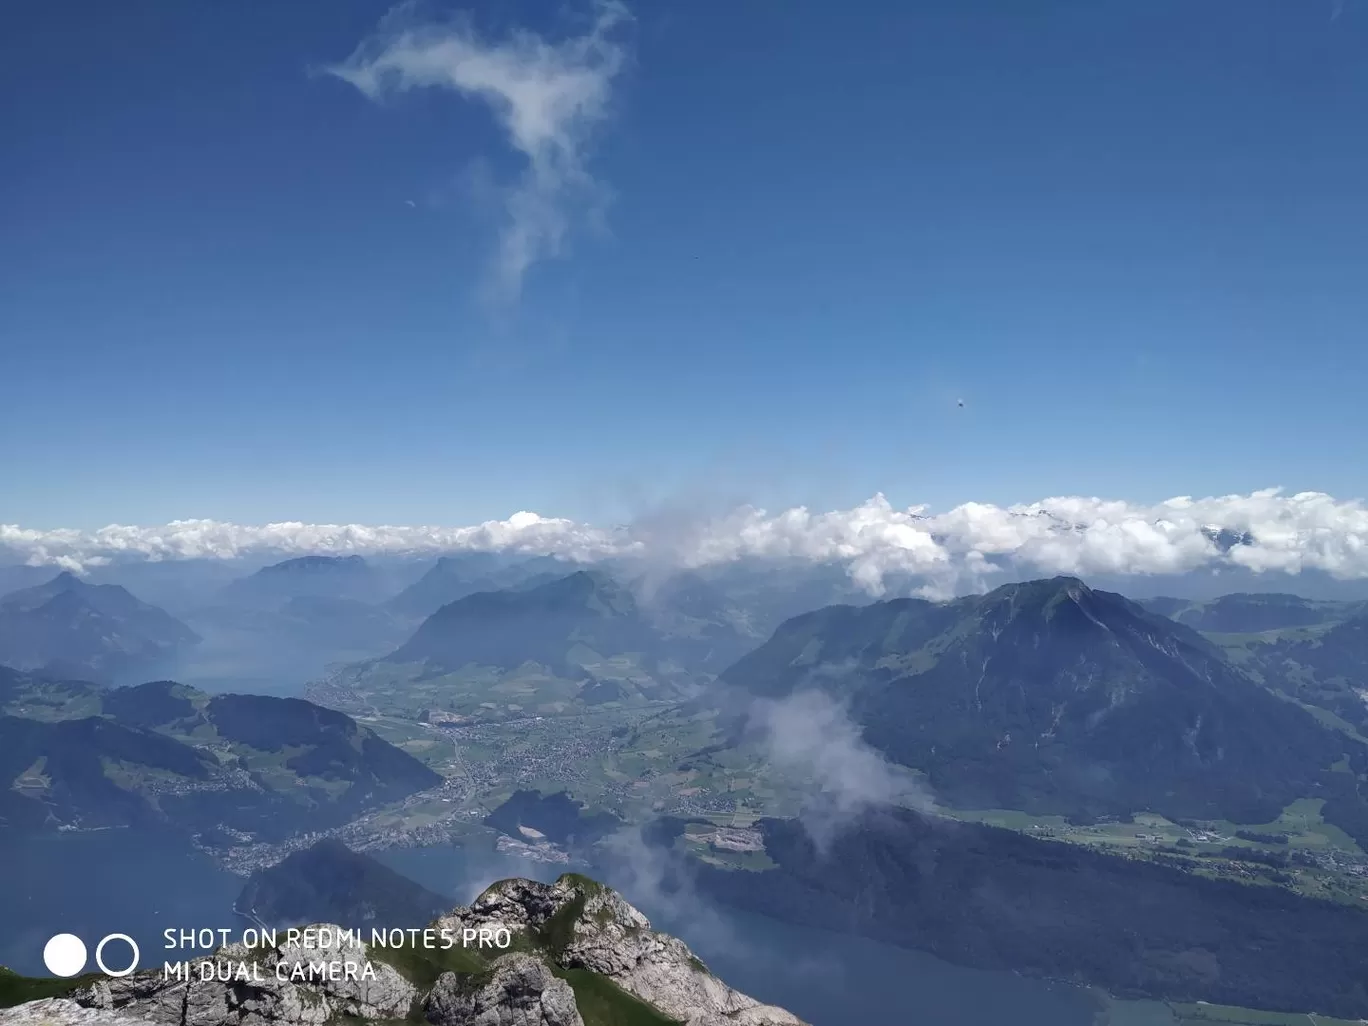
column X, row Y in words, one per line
column 99, row 951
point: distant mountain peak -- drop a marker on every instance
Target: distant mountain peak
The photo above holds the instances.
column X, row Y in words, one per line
column 1043, row 599
column 458, row 575
column 586, row 610
column 1049, row 695
column 1225, row 538
column 1061, row 583
column 313, row 564
column 594, row 588
column 70, row 627
column 324, row 576
column 63, row 583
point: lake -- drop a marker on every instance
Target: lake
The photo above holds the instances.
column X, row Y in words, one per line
column 117, row 881
column 827, row 978
column 95, row 883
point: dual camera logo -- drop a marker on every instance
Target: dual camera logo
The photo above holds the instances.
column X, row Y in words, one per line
column 65, row 955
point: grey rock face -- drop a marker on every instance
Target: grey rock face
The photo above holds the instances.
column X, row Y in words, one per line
column 610, row 937
column 282, row 985
column 61, row 1012
column 615, row 940
column 521, row 991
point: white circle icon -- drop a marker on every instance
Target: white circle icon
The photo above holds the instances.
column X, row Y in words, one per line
column 99, row 954
column 64, row 955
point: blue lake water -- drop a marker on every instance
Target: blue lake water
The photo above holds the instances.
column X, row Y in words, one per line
column 827, row 978
column 93, row 884
column 107, row 881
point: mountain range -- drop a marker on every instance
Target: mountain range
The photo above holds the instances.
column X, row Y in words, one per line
column 337, row 577
column 1049, row 698
column 1315, row 653
column 455, row 577
column 545, row 646
column 545, row 624
column 1053, row 698
column 702, row 619
column 163, row 753
column 1045, row 696
column 1245, row 613
column 68, row 627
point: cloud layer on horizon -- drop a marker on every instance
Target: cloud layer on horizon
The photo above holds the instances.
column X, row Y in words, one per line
column 963, row 549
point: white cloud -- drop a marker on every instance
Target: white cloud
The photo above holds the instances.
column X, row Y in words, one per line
column 810, row 736
column 547, row 97
column 960, row 550
column 213, row 539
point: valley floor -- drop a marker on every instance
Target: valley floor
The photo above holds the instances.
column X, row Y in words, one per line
column 642, row 762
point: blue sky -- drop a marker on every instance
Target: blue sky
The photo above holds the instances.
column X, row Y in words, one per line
column 1129, row 235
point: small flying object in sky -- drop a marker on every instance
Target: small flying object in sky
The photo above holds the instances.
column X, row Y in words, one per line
column 959, row 403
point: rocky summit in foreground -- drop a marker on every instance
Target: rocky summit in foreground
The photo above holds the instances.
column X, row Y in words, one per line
column 572, row 953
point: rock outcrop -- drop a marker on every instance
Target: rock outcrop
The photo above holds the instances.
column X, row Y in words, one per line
column 257, row 988
column 520, row 991
column 585, row 925
column 556, row 942
column 64, row 1011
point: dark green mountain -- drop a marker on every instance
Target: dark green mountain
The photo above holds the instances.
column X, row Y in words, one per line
column 1328, row 669
column 1313, row 651
column 92, row 772
column 167, row 753
column 1323, row 667
column 330, row 883
column 36, row 697
column 1050, row 697
column 67, row 627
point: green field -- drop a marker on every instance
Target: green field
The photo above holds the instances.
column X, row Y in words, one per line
column 1301, row 822
column 1203, row 1014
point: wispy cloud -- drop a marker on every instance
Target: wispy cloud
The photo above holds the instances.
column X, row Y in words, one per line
column 809, row 735
column 961, row 550
column 547, row 96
